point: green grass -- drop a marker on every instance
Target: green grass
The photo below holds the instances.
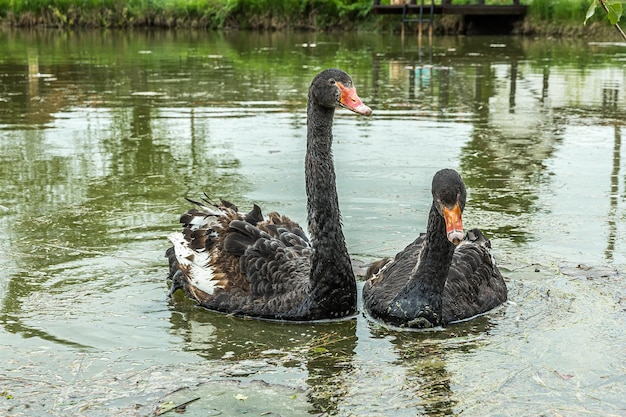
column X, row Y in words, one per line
column 115, row 13
column 559, row 10
column 214, row 14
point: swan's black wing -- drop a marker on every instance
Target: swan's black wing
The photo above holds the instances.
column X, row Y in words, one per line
column 239, row 263
column 386, row 280
column 474, row 283
column 274, row 264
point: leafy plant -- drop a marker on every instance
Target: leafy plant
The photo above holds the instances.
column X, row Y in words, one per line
column 613, row 11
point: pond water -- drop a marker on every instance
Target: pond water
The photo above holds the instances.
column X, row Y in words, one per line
column 103, row 134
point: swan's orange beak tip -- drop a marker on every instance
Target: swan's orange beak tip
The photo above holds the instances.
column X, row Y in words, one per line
column 455, row 237
column 454, row 224
column 363, row 109
column 351, row 101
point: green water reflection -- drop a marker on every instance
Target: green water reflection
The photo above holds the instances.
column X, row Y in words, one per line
column 102, row 134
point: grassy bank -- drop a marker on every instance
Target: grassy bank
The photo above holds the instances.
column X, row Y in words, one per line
column 211, row 14
column 553, row 17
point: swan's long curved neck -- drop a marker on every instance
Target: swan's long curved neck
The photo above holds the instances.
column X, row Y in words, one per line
column 330, row 263
column 429, row 277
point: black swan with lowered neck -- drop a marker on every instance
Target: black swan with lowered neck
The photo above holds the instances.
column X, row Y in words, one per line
column 246, row 265
column 441, row 277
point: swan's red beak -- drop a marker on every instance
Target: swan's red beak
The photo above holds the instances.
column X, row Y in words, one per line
column 454, row 223
column 351, row 101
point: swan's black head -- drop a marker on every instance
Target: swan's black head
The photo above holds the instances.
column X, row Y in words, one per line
column 333, row 88
column 449, row 197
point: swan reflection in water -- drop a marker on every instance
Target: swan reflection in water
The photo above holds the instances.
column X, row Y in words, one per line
column 337, row 367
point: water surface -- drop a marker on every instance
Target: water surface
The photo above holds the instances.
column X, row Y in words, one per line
column 103, row 133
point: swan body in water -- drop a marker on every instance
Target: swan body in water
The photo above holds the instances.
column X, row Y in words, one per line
column 248, row 265
column 442, row 276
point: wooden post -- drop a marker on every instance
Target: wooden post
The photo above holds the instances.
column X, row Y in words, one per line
column 404, row 13
column 513, row 89
column 421, row 20
column 431, row 21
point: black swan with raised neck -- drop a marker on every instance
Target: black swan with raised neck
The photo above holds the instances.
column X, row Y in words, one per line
column 248, row 265
column 441, row 277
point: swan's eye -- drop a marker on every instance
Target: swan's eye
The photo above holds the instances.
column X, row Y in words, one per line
column 331, row 82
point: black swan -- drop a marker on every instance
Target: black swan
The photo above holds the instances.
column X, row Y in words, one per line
column 441, row 277
column 246, row 265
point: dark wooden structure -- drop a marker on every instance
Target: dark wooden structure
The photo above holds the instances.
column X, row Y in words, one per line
column 479, row 15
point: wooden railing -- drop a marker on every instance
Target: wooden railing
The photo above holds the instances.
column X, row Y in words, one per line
column 479, row 7
column 443, row 2
column 479, row 15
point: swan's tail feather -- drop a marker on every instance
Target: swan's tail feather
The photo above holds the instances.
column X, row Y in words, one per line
column 209, row 208
column 198, row 263
column 194, row 264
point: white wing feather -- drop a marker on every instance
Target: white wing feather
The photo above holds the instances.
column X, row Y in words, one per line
column 195, row 264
